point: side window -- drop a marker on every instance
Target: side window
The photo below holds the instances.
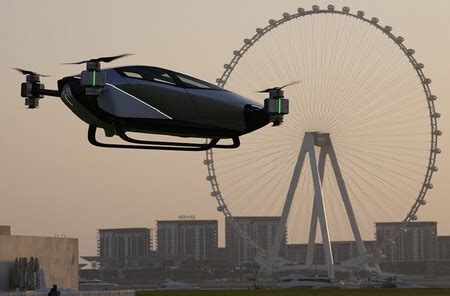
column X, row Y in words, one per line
column 162, row 76
column 191, row 82
column 148, row 74
column 132, row 75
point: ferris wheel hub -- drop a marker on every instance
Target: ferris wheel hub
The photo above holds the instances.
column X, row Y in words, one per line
column 320, row 139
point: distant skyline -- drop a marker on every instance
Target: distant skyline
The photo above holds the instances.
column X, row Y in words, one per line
column 54, row 182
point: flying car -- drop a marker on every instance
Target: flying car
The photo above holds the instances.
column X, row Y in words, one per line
column 153, row 100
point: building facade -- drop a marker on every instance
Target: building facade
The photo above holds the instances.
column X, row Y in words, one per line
column 417, row 243
column 443, row 247
column 261, row 230
column 187, row 239
column 124, row 248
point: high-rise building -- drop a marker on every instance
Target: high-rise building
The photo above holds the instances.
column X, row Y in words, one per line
column 417, row 243
column 187, row 239
column 261, row 230
column 124, row 248
column 443, row 247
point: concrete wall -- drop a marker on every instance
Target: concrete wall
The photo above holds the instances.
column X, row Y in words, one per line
column 57, row 256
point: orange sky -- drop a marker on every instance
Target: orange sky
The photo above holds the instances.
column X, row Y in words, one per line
column 54, row 182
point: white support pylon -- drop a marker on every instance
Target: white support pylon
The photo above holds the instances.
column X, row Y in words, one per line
column 311, row 140
column 345, row 198
column 281, row 227
column 308, row 147
column 321, row 212
column 315, row 215
column 327, row 149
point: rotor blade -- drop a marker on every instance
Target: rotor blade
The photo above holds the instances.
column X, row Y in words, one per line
column 289, row 84
column 77, row 63
column 266, row 90
column 101, row 59
column 112, row 58
column 27, row 72
column 279, row 87
column 24, row 72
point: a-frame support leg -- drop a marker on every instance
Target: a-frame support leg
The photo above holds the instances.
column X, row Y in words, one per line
column 308, row 140
column 308, row 147
column 315, row 215
column 311, row 140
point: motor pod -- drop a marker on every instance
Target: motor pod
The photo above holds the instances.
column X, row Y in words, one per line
column 276, row 106
column 30, row 90
column 93, row 79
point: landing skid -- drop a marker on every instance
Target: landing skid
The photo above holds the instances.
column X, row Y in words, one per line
column 157, row 145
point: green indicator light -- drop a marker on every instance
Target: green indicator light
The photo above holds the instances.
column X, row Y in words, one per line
column 279, row 105
column 93, row 78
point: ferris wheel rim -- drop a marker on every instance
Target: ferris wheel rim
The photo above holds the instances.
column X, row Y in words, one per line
column 418, row 67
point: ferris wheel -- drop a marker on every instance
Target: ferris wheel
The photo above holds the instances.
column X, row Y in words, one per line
column 358, row 147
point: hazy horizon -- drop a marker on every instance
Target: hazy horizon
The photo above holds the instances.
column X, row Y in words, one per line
column 55, row 182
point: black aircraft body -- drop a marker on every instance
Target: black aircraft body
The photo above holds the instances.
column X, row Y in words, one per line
column 154, row 100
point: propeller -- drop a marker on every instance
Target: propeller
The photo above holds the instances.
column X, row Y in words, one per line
column 101, row 59
column 32, row 89
column 93, row 79
column 27, row 72
column 279, row 87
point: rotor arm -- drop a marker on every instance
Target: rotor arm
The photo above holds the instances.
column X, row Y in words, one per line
column 49, row 92
column 33, row 90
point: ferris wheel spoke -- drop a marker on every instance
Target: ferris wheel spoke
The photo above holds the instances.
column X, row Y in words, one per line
column 393, row 162
column 368, row 183
column 385, row 177
column 254, row 151
column 282, row 183
column 286, row 180
column 379, row 98
column 235, row 165
column 378, row 114
column 361, row 211
column 387, row 113
column 375, row 214
column 382, row 152
column 397, row 148
column 237, row 178
column 351, row 76
column 393, row 175
column 389, row 190
column 359, row 200
column 271, row 177
column 400, row 124
column 275, row 162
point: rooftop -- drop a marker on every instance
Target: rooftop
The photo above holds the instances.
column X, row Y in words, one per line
column 410, row 224
column 255, row 218
column 135, row 229
column 187, row 221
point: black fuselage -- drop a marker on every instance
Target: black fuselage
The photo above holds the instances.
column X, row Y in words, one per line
column 158, row 101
